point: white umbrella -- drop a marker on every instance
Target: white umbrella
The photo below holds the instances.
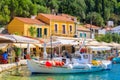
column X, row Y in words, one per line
column 22, row 45
column 4, row 39
column 21, row 39
column 105, row 44
column 113, row 44
column 93, row 43
column 3, row 45
column 99, row 48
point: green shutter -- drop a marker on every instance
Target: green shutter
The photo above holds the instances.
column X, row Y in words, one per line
column 85, row 35
column 40, row 32
column 80, row 34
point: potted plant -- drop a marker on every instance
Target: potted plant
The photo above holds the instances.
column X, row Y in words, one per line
column 17, row 53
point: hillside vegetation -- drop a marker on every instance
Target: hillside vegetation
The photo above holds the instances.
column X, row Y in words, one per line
column 96, row 11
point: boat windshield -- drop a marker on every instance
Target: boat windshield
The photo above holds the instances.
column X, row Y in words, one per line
column 85, row 56
column 77, row 56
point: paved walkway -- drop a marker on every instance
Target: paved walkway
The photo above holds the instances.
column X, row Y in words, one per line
column 4, row 67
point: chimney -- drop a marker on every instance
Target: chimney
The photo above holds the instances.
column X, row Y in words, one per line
column 53, row 12
column 33, row 16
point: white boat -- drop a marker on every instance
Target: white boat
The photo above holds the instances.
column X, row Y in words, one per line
column 81, row 63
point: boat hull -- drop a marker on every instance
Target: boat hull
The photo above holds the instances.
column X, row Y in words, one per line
column 38, row 68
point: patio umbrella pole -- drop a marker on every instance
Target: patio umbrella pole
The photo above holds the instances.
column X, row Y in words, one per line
column 44, row 53
column 51, row 55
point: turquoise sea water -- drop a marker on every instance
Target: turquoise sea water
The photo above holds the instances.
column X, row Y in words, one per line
column 23, row 73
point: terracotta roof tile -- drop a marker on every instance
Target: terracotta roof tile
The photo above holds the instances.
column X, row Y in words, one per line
column 70, row 17
column 29, row 20
column 91, row 26
column 56, row 17
column 108, row 28
column 81, row 28
column 66, row 15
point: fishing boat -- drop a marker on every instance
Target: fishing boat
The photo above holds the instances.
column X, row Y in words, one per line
column 116, row 60
column 80, row 63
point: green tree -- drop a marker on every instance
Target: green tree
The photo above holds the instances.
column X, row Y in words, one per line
column 32, row 31
column 95, row 18
column 25, row 8
column 73, row 7
column 90, row 4
column 115, row 18
column 109, row 38
column 42, row 9
column 52, row 4
column 4, row 12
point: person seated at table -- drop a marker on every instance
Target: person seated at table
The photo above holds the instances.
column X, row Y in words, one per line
column 5, row 57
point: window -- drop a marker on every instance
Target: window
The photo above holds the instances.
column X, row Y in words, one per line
column 63, row 27
column 45, row 31
column 63, row 47
column 84, row 35
column 80, row 34
column 39, row 32
column 56, row 29
column 70, row 28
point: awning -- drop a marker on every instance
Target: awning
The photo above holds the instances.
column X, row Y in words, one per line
column 99, row 48
column 39, row 45
column 54, row 43
column 20, row 39
column 93, row 43
column 3, row 45
column 23, row 45
column 67, row 42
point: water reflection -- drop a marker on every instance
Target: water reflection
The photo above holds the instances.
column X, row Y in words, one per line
column 81, row 76
column 23, row 73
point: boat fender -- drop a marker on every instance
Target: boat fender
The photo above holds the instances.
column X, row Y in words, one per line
column 48, row 64
column 59, row 63
column 56, row 63
column 70, row 66
column 88, row 66
column 104, row 66
column 53, row 63
column 99, row 62
column 96, row 63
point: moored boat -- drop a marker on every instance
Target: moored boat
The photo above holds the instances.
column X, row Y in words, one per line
column 116, row 59
column 39, row 68
column 81, row 63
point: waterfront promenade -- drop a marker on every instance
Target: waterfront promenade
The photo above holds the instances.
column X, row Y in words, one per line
column 4, row 67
